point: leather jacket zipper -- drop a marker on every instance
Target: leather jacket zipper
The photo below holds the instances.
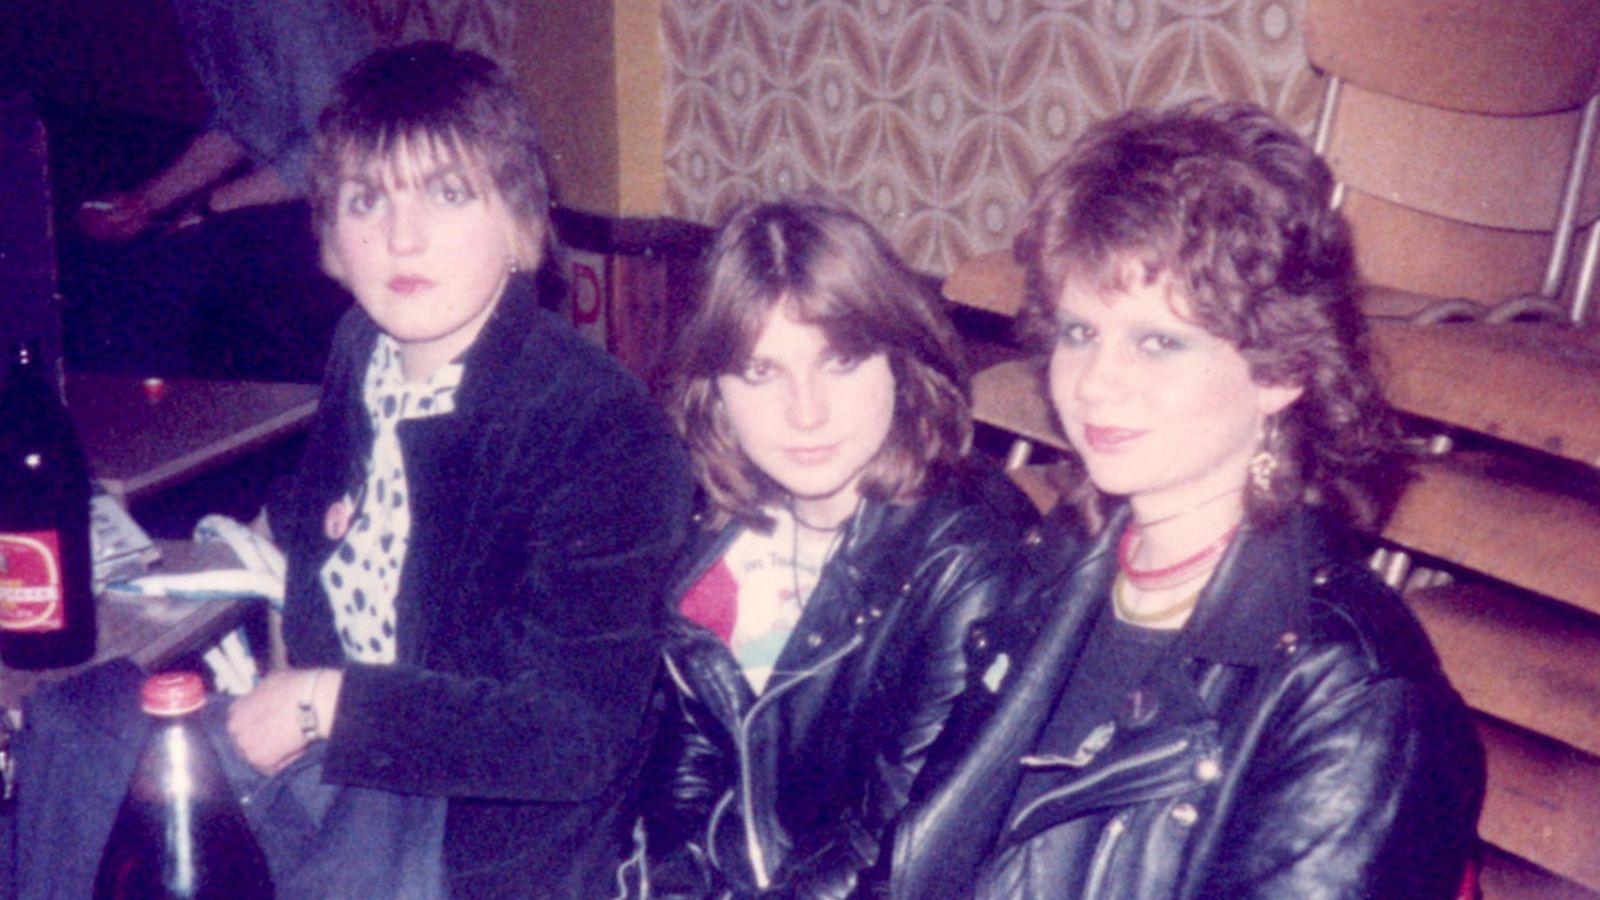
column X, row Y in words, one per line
column 1109, row 838
column 758, row 858
column 1154, row 754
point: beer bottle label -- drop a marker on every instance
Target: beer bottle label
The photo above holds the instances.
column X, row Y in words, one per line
column 30, row 582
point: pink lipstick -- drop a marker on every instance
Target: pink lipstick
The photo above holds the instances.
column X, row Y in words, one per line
column 810, row 456
column 1103, row 439
column 409, row 284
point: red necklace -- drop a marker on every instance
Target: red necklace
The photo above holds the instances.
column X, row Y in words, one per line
column 1168, row 576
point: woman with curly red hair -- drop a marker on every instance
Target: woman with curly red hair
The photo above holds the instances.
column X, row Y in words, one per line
column 1208, row 695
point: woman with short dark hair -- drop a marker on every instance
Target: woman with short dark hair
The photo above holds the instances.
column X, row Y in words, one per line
column 1209, row 695
column 848, row 542
column 480, row 529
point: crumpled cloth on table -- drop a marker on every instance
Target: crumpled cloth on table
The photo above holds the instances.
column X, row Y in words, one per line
column 260, row 574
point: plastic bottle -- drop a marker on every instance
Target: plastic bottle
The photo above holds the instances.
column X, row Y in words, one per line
column 180, row 832
column 46, row 572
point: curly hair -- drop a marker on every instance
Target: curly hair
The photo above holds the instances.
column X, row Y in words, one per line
column 830, row 269
column 435, row 98
column 1234, row 208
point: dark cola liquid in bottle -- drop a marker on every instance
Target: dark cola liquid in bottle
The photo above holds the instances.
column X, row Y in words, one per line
column 46, row 575
column 181, row 832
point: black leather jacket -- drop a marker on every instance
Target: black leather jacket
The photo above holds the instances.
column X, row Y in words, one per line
column 788, row 792
column 1311, row 746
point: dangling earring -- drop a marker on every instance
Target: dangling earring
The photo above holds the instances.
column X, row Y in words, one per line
column 1264, row 465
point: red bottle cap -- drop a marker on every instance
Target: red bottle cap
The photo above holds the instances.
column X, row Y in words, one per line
column 154, row 389
column 172, row 693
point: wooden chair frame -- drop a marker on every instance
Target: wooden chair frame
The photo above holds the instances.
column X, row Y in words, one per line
column 1576, row 83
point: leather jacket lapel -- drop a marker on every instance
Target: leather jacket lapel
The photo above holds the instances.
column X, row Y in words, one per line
column 981, row 787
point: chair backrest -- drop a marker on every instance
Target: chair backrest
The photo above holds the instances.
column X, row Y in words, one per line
column 1463, row 136
column 991, row 282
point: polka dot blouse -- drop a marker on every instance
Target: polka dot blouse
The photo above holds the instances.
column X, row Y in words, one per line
column 362, row 577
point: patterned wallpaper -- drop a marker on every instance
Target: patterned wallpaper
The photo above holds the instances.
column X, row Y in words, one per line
column 932, row 117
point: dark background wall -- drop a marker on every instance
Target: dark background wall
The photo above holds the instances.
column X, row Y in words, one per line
column 94, row 96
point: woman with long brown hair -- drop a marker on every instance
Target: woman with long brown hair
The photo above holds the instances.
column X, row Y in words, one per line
column 848, row 540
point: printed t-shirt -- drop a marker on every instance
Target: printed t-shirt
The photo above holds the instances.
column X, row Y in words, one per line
column 754, row 595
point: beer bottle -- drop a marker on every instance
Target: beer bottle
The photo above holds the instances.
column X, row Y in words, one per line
column 46, row 572
column 181, row 833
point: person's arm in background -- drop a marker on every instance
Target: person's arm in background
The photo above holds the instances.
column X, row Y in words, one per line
column 121, row 217
column 257, row 187
column 269, row 68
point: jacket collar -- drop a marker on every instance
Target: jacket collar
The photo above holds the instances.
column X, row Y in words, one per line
column 711, row 545
column 502, row 337
column 1258, row 594
column 484, row 363
column 836, row 611
column 494, row 349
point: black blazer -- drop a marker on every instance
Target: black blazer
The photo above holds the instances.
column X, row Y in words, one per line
column 546, row 512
